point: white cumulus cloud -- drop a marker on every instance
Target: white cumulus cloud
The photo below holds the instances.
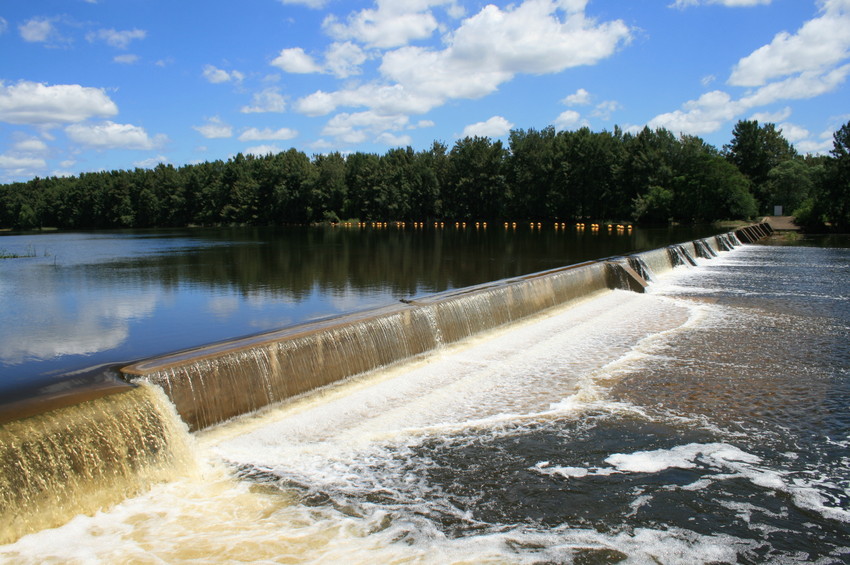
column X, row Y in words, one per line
column 580, row 97
column 38, row 30
column 704, row 115
column 36, row 103
column 262, row 150
column 344, row 59
column 267, row 100
column 217, row 76
column 317, row 104
column 714, row 109
column 360, row 126
column 493, row 46
column 31, row 146
column 15, row 166
column 152, row 162
column 21, row 163
column 214, row 129
column 819, row 44
column 267, row 134
column 484, row 51
column 569, row 120
column 800, row 87
column 823, row 144
column 392, row 23
column 341, row 60
column 109, row 135
column 798, row 66
column 295, row 60
column 772, row 117
column 497, row 126
column 793, row 133
column 605, row 109
column 392, row 140
column 115, row 38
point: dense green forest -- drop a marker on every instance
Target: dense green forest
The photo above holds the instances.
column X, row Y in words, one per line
column 648, row 177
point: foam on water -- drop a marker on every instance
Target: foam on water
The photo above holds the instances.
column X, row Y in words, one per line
column 725, row 463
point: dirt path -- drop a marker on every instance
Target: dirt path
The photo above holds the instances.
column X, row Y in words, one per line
column 782, row 223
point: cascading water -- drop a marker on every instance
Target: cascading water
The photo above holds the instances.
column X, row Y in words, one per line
column 87, row 457
column 725, row 242
column 639, row 265
column 680, row 256
column 213, row 384
column 704, row 250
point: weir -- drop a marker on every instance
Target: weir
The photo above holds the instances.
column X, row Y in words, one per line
column 121, row 437
column 212, row 384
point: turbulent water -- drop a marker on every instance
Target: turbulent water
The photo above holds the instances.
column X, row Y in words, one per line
column 705, row 421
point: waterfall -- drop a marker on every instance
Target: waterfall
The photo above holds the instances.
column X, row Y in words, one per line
column 627, row 277
column 638, row 263
column 704, row 250
column 680, row 256
column 83, row 458
column 212, row 384
column 725, row 242
column 753, row 233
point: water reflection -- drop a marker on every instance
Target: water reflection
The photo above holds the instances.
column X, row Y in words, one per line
column 76, row 300
column 50, row 313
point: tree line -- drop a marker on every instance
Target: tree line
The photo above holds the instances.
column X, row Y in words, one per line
column 651, row 176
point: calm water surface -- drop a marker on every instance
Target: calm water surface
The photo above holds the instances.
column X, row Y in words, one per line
column 79, row 300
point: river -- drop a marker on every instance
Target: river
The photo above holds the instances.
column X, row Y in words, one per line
column 704, row 421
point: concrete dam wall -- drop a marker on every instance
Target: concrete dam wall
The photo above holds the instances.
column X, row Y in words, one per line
column 212, row 384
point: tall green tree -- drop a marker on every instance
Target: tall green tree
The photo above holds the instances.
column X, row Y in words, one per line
column 363, row 179
column 835, row 197
column 532, row 174
column 756, row 149
column 709, row 187
column 646, row 174
column 241, row 191
column 432, row 171
column 116, row 198
column 790, row 183
column 329, row 192
column 589, row 167
column 398, row 182
column 176, row 202
column 212, row 192
column 475, row 187
column 293, row 181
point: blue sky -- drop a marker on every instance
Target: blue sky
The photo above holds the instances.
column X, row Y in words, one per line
column 89, row 85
